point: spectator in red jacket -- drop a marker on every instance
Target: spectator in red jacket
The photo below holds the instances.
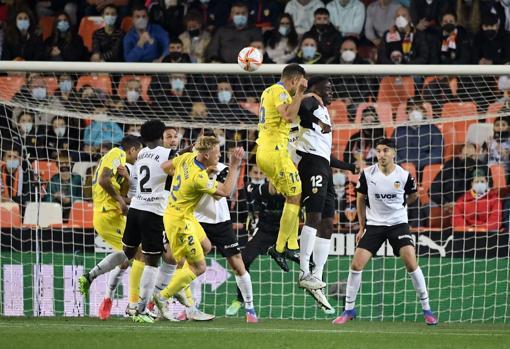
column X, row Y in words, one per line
column 479, row 207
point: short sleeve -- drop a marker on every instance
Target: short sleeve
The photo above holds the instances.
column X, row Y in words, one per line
column 281, row 96
column 362, row 187
column 177, row 161
column 114, row 159
column 204, row 184
column 410, row 186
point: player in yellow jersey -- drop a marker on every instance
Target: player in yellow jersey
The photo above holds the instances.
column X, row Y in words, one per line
column 279, row 107
column 191, row 180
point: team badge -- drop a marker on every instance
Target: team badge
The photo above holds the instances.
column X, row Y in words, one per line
column 396, row 185
column 315, row 190
column 283, row 97
column 116, row 163
column 210, row 184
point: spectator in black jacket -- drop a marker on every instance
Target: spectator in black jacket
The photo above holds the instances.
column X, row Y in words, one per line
column 453, row 46
column 403, row 43
column 61, row 139
column 65, row 96
column 426, row 14
column 308, row 52
column 176, row 54
column 282, row 43
column 327, row 37
column 491, row 46
column 16, row 180
column 65, row 44
column 21, row 40
column 107, row 41
column 361, row 146
column 28, row 134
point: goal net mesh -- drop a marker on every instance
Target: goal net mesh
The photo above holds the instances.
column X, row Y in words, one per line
column 451, row 132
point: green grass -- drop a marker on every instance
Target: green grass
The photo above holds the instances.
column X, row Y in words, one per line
column 223, row 333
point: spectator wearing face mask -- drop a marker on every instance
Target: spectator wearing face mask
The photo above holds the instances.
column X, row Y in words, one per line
column 35, row 92
column 17, row 182
column 361, row 146
column 490, row 45
column 380, row 16
column 21, row 40
column 348, row 16
column 195, row 39
column 308, row 52
column 282, row 43
column 65, row 96
column 302, row 12
column 27, row 134
column 403, row 44
column 452, row 45
column 145, row 42
column 327, row 37
column 60, row 138
column 479, row 207
column 499, row 150
column 225, row 106
column 107, row 41
column 134, row 104
column 419, row 144
column 175, row 54
column 65, row 44
column 64, row 188
column 171, row 95
column 232, row 38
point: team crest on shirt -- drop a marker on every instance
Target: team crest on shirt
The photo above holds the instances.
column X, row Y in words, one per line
column 396, row 185
column 116, row 163
column 315, row 190
column 283, row 97
column 210, row 184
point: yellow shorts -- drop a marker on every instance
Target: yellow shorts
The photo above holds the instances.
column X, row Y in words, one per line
column 110, row 226
column 280, row 170
column 185, row 237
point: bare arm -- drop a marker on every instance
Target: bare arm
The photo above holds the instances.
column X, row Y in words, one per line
column 105, row 181
column 361, row 209
column 411, row 198
column 225, row 189
column 290, row 111
column 168, row 167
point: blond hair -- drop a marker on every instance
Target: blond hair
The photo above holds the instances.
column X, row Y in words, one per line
column 206, row 143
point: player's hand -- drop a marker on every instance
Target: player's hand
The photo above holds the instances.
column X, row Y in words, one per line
column 211, row 170
column 359, row 235
column 324, row 127
column 122, row 170
column 236, row 157
column 302, row 86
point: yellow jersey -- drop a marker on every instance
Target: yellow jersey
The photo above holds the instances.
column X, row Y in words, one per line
column 189, row 183
column 101, row 199
column 273, row 129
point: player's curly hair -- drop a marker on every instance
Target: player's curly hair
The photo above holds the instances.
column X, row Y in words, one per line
column 206, row 143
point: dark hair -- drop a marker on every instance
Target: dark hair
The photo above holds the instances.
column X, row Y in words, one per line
column 152, row 130
column 139, row 7
column 293, row 70
column 130, row 141
column 370, row 109
column 208, row 132
column 321, row 11
column 176, row 41
column 171, row 128
column 240, row 4
column 275, row 36
column 25, row 112
column 449, row 13
column 317, row 79
column 193, row 16
column 9, row 146
column 414, row 102
column 56, row 117
column 12, row 34
column 387, row 142
column 110, row 6
column 490, row 19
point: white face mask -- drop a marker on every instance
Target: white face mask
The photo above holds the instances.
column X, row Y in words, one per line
column 60, row 131
column 258, row 181
column 480, row 187
column 134, row 133
column 132, row 96
column 27, row 127
column 339, row 179
column 416, row 115
column 401, row 22
column 504, row 83
column 348, row 56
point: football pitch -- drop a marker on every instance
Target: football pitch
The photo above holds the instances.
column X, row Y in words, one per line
column 223, row 333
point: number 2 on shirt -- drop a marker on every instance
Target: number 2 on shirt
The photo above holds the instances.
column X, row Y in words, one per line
column 176, row 187
column 262, row 112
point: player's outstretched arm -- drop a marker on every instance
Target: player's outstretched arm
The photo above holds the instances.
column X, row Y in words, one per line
column 168, row 167
column 105, row 181
column 289, row 112
column 225, row 189
column 341, row 165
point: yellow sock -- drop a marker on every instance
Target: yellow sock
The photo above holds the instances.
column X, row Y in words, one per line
column 292, row 243
column 287, row 226
column 134, row 281
column 189, row 295
column 182, row 278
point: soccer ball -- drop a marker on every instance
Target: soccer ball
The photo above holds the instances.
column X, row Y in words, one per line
column 250, row 59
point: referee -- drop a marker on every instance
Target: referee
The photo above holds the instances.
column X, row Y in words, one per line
column 383, row 192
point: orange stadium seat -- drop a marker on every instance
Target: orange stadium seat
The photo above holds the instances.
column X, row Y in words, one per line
column 103, row 83
column 493, row 110
column 81, row 215
column 429, row 173
column 340, row 140
column 395, row 90
column 409, row 166
column 498, row 176
column 88, row 26
column 45, row 169
column 126, row 24
column 338, row 112
column 46, row 24
column 51, row 84
column 9, row 85
column 145, row 82
column 454, row 133
column 383, row 111
column 10, row 216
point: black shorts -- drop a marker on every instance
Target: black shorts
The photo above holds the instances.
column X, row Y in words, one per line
column 146, row 228
column 375, row 235
column 222, row 236
column 317, row 182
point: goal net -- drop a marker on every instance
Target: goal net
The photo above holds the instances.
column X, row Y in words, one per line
column 451, row 126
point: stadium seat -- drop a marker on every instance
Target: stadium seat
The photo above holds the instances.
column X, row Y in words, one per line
column 103, row 83
column 454, row 133
column 340, row 140
column 145, row 81
column 429, row 173
column 251, row 107
column 338, row 112
column 9, row 85
column 452, row 81
column 401, row 115
column 80, row 168
column 81, row 215
column 395, row 90
column 126, row 24
column 49, row 213
column 88, row 26
column 493, row 110
column 383, row 111
column 458, row 109
column 51, row 84
column 409, row 166
column 46, row 24
column 498, row 176
column 10, row 216
column 45, row 169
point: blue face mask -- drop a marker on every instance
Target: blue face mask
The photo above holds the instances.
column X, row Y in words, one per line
column 224, row 96
column 63, row 26
column 110, row 20
column 309, row 52
column 23, row 24
column 240, row 20
column 177, row 85
column 12, row 164
column 284, row 31
column 65, row 86
column 39, row 93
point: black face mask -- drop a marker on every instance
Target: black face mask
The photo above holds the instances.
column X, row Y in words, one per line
column 501, row 136
column 449, row 28
column 490, row 34
column 321, row 27
column 194, row 32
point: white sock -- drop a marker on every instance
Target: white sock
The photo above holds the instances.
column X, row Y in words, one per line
column 165, row 273
column 113, row 281
column 244, row 284
column 353, row 283
column 320, row 256
column 306, row 242
column 420, row 287
column 107, row 264
column 147, row 286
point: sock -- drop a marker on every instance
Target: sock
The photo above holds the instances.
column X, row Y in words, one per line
column 147, row 286
column 320, row 255
column 181, row 279
column 353, row 283
column 107, row 264
column 165, row 273
column 287, row 226
column 189, row 294
column 292, row 243
column 113, row 281
column 244, row 284
column 134, row 281
column 420, row 287
column 307, row 242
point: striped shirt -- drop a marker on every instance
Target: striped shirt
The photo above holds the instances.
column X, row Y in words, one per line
column 108, row 45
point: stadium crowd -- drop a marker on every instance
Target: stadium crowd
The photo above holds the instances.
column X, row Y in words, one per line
column 460, row 178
